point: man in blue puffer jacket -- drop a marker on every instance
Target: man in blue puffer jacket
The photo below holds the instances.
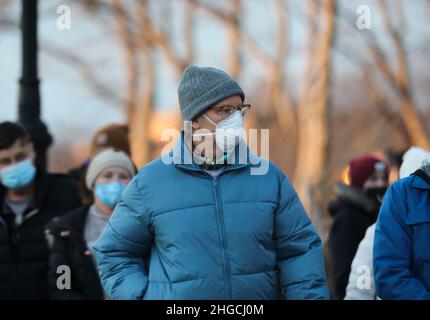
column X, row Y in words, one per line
column 401, row 254
column 199, row 228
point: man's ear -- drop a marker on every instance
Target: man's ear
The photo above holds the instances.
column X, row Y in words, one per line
column 196, row 123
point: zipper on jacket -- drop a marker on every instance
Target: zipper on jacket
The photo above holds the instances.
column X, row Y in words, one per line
column 221, row 226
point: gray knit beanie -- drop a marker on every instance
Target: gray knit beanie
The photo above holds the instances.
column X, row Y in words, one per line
column 202, row 87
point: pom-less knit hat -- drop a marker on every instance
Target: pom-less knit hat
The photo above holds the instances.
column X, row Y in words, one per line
column 202, row 87
column 363, row 167
column 105, row 159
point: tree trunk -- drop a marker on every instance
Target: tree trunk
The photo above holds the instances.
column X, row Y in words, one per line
column 312, row 151
column 140, row 116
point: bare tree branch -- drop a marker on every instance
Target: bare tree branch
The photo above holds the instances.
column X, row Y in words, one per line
column 380, row 102
column 286, row 113
column 127, row 38
column 313, row 143
column 189, row 25
column 103, row 90
column 401, row 81
column 234, row 31
column 231, row 19
column 255, row 50
column 369, row 41
column 223, row 16
column 401, row 17
column 376, row 93
column 158, row 37
column 397, row 78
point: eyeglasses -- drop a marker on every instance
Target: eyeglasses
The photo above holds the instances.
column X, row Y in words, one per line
column 227, row 110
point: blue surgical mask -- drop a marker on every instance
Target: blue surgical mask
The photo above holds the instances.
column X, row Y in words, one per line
column 18, row 176
column 109, row 193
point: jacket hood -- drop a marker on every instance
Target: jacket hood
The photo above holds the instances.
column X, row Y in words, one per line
column 351, row 195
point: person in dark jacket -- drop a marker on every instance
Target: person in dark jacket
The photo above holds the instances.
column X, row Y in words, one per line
column 72, row 236
column 401, row 255
column 355, row 209
column 29, row 198
column 210, row 223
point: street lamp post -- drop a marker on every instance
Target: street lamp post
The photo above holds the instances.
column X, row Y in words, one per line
column 29, row 96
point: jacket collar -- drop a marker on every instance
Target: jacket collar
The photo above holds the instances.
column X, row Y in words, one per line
column 421, row 178
column 74, row 220
column 40, row 191
column 355, row 196
column 183, row 158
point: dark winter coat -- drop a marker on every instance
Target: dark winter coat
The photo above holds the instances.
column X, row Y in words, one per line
column 23, row 248
column 67, row 246
column 353, row 212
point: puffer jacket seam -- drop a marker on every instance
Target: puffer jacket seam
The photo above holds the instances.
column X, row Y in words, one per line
column 121, row 236
column 181, row 209
column 145, row 209
column 177, row 281
column 208, row 205
column 252, row 273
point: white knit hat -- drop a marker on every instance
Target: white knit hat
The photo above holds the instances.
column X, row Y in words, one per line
column 105, row 159
column 413, row 159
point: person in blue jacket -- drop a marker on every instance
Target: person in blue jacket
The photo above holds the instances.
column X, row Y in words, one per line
column 204, row 223
column 401, row 254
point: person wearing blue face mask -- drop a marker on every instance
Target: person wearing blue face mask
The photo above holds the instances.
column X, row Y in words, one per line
column 29, row 198
column 72, row 236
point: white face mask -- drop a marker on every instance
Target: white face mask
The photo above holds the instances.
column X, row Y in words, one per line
column 228, row 133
